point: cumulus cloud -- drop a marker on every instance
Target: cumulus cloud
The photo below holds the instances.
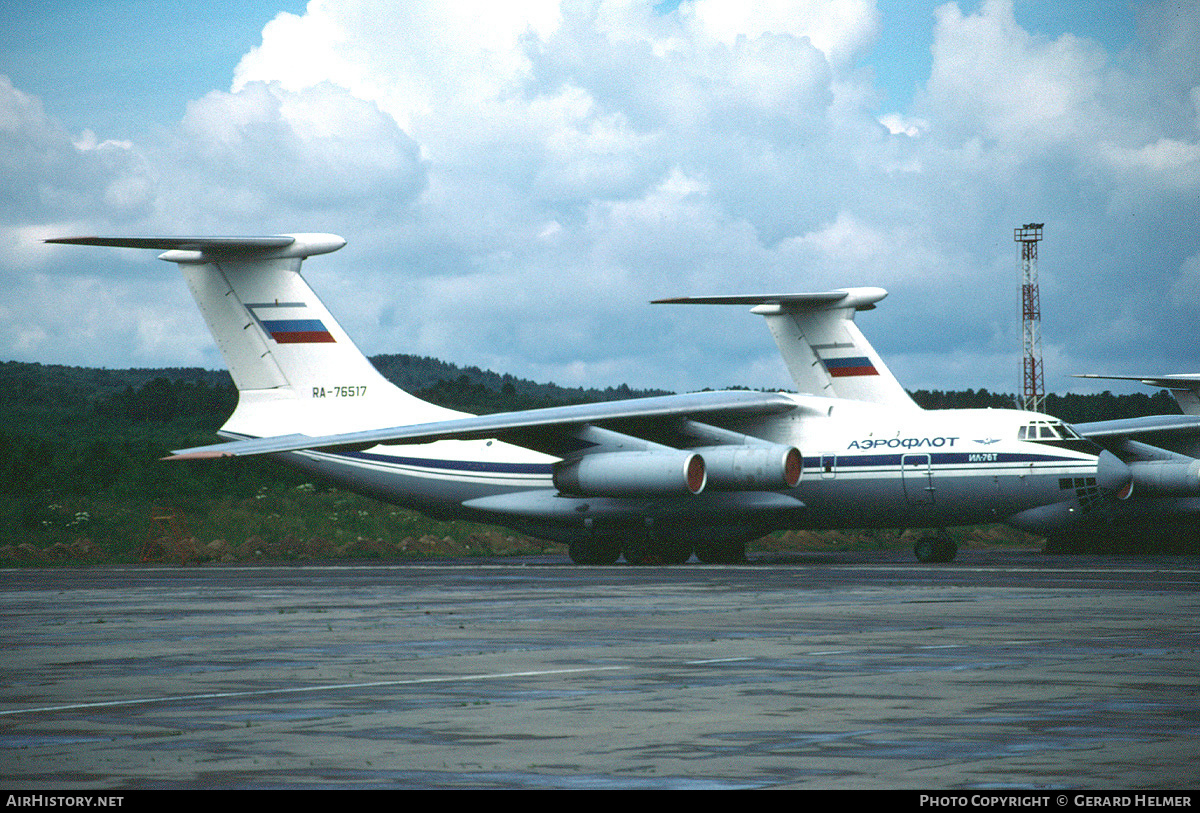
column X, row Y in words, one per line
column 70, row 319
column 1186, row 290
column 517, row 179
column 49, row 176
column 996, row 81
column 323, row 147
column 410, row 58
column 1035, row 99
column 840, row 29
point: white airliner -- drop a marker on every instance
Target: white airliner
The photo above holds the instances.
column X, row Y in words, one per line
column 654, row 479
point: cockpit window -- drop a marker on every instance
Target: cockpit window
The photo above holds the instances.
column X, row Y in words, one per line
column 1045, row 430
column 1055, row 433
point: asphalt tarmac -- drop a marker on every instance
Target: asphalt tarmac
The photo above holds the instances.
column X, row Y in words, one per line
column 1003, row 670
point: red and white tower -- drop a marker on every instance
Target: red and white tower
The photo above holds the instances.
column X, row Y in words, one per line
column 1034, row 395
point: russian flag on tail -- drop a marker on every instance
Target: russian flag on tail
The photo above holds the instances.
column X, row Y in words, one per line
column 297, row 331
column 292, row 323
column 850, row 366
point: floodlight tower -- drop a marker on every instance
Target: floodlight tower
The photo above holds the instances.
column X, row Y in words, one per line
column 1034, row 395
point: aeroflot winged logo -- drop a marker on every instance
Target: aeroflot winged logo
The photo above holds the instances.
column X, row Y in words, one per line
column 289, row 323
column 850, row 366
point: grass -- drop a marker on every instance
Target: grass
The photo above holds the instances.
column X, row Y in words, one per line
column 281, row 523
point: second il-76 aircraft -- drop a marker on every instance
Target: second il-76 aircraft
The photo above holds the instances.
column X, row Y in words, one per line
column 653, row 479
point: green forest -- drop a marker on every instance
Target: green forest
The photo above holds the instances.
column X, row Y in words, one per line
column 82, row 478
column 83, row 481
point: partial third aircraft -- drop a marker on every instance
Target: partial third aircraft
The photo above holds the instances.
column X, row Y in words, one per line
column 1163, row 455
column 653, row 479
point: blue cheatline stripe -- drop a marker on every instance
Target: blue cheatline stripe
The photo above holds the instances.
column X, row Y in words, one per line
column 943, row 459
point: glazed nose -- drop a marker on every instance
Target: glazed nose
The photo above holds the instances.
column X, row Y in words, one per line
column 1114, row 476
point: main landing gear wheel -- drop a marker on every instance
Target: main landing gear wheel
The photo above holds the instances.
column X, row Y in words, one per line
column 594, row 553
column 939, row 548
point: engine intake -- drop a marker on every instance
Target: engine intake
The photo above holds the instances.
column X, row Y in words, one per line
column 632, row 474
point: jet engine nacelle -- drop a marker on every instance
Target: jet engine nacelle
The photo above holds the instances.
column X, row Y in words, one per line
column 632, row 474
column 768, row 467
column 1166, row 478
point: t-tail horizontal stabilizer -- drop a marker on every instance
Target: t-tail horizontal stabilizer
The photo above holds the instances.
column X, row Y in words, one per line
column 823, row 349
column 1185, row 387
column 206, row 249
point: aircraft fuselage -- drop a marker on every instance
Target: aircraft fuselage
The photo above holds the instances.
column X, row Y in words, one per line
column 863, row 466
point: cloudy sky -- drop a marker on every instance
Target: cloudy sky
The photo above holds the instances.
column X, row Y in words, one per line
column 517, row 180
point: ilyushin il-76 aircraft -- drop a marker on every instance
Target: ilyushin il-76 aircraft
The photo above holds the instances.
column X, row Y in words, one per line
column 1163, row 455
column 652, row 479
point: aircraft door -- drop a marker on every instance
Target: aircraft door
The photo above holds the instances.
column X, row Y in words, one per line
column 828, row 466
column 916, row 470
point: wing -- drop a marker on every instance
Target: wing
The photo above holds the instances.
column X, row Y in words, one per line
column 1154, row 436
column 1151, row 425
column 522, row 428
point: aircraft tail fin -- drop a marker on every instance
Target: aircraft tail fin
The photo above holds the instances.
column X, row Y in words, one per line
column 295, row 368
column 823, row 349
column 1185, row 387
